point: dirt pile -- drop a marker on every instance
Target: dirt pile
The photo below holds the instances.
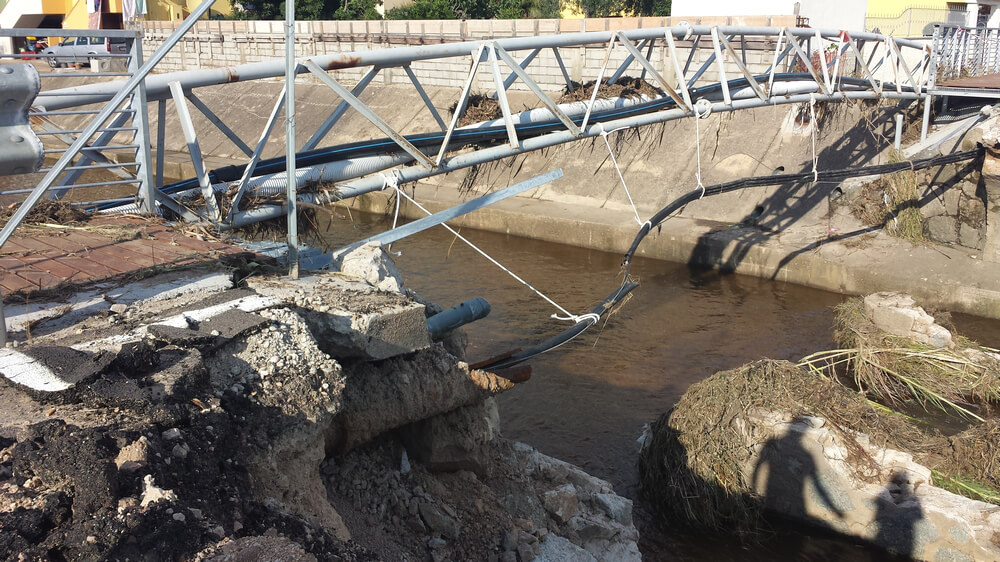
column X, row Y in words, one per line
column 221, row 425
column 694, row 457
column 821, row 442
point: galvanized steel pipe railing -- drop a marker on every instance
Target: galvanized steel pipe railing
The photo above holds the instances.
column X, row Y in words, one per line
column 157, row 86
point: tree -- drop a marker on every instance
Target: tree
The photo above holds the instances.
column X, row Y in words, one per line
column 648, row 7
column 609, row 8
column 306, row 9
column 358, row 10
column 423, row 10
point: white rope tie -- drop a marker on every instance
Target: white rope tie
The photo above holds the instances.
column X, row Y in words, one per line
column 815, row 125
column 611, row 153
column 393, row 182
column 581, row 318
column 568, row 315
column 885, row 199
column 698, row 116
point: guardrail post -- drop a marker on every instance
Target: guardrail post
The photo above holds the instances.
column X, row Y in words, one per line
column 140, row 117
column 932, row 65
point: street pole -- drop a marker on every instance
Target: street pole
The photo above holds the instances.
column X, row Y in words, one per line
column 290, row 68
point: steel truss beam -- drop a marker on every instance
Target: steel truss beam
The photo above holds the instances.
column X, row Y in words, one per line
column 678, row 43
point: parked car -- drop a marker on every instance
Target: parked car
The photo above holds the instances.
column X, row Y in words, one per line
column 80, row 50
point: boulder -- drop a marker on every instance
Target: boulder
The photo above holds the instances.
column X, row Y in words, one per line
column 899, row 315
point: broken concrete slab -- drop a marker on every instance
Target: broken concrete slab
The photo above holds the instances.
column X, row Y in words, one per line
column 350, row 319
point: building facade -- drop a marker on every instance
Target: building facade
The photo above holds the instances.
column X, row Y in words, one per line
column 90, row 14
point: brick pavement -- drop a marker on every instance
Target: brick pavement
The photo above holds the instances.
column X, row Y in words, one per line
column 38, row 258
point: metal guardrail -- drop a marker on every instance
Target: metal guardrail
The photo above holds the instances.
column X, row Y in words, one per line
column 126, row 128
column 966, row 51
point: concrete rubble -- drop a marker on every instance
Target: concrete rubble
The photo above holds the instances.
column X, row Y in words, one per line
column 313, row 418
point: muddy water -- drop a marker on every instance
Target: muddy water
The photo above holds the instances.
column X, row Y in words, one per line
column 588, row 400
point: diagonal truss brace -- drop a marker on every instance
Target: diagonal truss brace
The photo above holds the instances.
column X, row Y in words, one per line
column 523, row 65
column 720, row 62
column 180, row 102
column 906, row 68
column 648, row 67
column 793, row 41
column 779, row 55
column 678, row 71
column 337, row 113
column 600, row 80
column 364, row 110
column 219, row 124
column 743, row 67
column 534, row 87
column 257, row 152
column 501, row 93
column 424, row 96
column 627, row 62
column 562, row 68
column 463, row 100
column 876, row 85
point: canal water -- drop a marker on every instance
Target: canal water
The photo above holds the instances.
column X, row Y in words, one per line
column 587, row 401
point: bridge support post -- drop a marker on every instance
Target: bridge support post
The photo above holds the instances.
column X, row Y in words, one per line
column 926, row 123
column 140, row 117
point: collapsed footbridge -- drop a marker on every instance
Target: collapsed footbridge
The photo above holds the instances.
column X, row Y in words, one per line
column 692, row 71
column 740, row 68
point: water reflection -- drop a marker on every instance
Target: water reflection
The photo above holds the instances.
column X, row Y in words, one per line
column 588, row 400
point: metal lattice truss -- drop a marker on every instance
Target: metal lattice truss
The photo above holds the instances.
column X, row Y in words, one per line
column 745, row 67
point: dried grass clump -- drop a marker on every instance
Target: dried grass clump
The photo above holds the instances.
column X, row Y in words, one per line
column 692, row 463
column 49, row 211
column 480, row 108
column 624, row 87
column 969, row 463
column 897, row 371
column 892, row 200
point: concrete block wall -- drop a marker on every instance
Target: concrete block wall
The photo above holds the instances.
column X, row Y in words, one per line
column 230, row 43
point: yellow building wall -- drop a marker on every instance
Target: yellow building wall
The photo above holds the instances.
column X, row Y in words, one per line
column 897, row 6
column 175, row 10
column 76, row 15
column 222, row 7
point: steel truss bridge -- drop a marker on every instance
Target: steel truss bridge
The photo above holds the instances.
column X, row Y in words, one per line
column 806, row 66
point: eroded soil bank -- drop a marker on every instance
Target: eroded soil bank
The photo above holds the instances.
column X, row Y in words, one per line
column 276, row 420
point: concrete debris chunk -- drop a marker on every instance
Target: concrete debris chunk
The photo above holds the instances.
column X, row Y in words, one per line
column 371, row 263
column 152, row 494
column 899, row 315
column 133, row 455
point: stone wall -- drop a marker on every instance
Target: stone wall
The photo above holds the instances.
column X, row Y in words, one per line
column 229, row 43
column 955, row 212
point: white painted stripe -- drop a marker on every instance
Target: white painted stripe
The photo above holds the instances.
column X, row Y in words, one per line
column 29, row 372
column 251, row 303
